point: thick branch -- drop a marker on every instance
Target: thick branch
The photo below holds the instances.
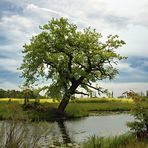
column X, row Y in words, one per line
column 98, row 89
column 70, row 63
column 89, row 65
column 82, row 66
column 77, row 92
column 49, row 63
column 75, row 84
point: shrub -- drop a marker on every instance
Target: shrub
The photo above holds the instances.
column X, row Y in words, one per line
column 140, row 112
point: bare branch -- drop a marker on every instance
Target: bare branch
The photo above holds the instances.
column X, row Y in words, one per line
column 70, row 63
column 82, row 66
column 96, row 88
column 77, row 92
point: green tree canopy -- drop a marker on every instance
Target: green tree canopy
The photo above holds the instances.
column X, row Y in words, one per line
column 70, row 58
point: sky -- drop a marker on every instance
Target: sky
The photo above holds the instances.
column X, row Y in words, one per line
column 20, row 20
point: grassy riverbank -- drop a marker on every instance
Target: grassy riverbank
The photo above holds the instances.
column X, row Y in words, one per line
column 76, row 108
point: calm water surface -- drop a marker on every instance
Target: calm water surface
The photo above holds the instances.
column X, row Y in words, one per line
column 79, row 130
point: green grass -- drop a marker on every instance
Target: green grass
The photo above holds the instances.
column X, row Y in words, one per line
column 109, row 106
column 11, row 110
column 46, row 111
column 75, row 110
column 84, row 109
column 123, row 141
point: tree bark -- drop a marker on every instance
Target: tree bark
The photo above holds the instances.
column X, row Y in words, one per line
column 63, row 104
column 69, row 93
column 25, row 101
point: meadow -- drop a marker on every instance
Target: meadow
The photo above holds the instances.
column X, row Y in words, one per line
column 45, row 110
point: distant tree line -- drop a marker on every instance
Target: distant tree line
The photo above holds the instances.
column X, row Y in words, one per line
column 33, row 94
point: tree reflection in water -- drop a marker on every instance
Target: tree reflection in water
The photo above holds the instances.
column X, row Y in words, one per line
column 65, row 135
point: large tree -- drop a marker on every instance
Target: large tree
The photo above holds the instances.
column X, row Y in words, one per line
column 70, row 58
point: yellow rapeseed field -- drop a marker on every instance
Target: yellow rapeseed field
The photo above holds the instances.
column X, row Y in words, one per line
column 129, row 100
column 30, row 100
column 82, row 99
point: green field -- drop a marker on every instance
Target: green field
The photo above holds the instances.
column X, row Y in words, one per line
column 45, row 110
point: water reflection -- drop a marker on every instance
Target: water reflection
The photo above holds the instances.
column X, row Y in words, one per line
column 65, row 135
column 109, row 125
column 79, row 130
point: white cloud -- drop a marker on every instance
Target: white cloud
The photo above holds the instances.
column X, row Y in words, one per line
column 5, row 84
column 32, row 6
column 9, row 64
column 111, row 14
column 124, row 67
column 17, row 30
column 136, row 38
column 9, row 85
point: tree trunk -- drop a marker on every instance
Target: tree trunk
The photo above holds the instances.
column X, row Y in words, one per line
column 68, row 94
column 63, row 104
column 25, row 101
